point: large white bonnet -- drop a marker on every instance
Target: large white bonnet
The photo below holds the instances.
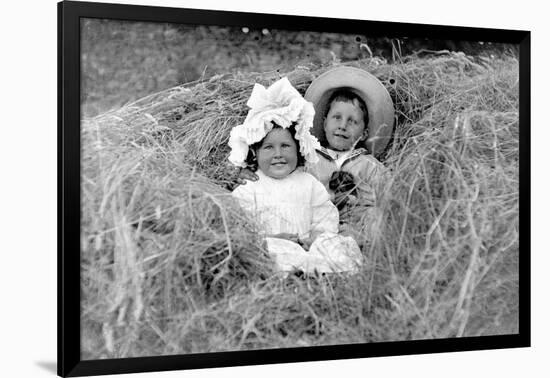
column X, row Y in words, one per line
column 281, row 104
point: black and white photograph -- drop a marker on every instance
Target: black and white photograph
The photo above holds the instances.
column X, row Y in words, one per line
column 258, row 188
column 241, row 186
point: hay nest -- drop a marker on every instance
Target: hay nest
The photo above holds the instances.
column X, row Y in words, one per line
column 171, row 265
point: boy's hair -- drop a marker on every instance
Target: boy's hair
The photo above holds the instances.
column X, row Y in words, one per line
column 252, row 162
column 346, row 95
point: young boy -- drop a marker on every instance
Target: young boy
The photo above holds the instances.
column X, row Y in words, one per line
column 354, row 118
column 345, row 167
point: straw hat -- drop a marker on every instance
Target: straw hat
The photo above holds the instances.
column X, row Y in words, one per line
column 369, row 88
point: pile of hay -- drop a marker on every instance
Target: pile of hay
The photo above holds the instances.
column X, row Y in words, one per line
column 171, row 265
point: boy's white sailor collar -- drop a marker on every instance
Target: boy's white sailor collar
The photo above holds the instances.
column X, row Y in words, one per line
column 341, row 155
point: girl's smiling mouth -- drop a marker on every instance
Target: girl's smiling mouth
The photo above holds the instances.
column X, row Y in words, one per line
column 338, row 135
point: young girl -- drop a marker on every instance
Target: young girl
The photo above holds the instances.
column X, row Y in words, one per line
column 292, row 207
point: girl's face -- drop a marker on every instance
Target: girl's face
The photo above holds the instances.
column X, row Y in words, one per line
column 278, row 154
column 344, row 125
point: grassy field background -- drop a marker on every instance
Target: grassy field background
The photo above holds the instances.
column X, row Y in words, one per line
column 123, row 61
column 171, row 265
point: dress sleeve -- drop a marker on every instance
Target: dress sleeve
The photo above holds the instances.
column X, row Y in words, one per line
column 324, row 213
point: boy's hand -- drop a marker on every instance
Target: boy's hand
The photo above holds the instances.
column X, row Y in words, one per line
column 245, row 174
column 352, row 200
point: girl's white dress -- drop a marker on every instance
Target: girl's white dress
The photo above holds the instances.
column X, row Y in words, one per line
column 299, row 204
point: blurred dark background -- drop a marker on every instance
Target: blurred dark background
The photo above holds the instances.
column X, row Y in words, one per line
column 122, row 60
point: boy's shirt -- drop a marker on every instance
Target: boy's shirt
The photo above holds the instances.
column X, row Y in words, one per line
column 366, row 170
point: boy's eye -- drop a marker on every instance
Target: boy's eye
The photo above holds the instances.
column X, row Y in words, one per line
column 354, row 122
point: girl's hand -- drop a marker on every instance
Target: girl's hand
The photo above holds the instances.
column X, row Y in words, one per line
column 306, row 243
column 285, row 235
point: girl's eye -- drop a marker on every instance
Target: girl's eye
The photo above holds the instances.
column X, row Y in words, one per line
column 268, row 147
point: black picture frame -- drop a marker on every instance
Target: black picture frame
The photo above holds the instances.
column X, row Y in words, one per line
column 69, row 360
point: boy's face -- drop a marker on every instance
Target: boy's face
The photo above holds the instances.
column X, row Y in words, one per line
column 278, row 154
column 344, row 125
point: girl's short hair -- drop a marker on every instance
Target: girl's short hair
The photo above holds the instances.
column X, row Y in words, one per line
column 346, row 95
column 252, row 162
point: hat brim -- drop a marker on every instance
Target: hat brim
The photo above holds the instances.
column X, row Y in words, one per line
column 369, row 88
